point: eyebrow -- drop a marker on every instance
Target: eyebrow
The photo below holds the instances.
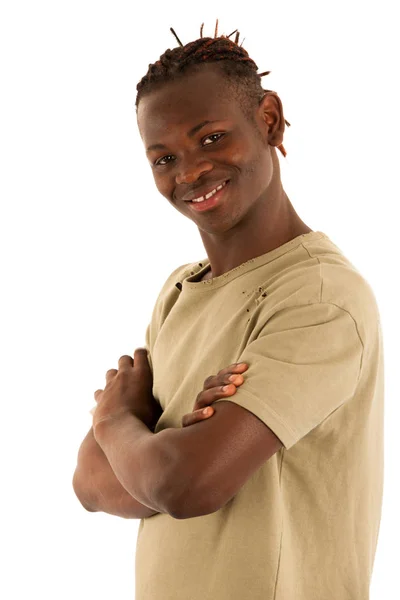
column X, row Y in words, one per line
column 191, row 133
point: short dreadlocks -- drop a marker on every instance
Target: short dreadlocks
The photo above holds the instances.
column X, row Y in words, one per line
column 237, row 68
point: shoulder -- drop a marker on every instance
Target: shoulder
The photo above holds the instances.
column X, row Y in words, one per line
column 323, row 274
column 175, row 278
column 170, row 290
column 340, row 279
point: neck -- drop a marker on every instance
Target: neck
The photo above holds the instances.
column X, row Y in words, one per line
column 270, row 222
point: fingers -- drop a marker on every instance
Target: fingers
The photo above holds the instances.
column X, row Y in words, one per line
column 205, row 399
column 124, row 362
column 228, row 378
column 140, row 358
column 196, row 416
column 209, row 396
column 96, row 397
column 110, row 374
column 230, row 382
column 220, row 379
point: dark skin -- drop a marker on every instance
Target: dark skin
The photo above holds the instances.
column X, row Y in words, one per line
column 255, row 215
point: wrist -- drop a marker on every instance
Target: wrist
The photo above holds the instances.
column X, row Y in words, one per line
column 103, row 427
column 124, row 425
column 108, row 421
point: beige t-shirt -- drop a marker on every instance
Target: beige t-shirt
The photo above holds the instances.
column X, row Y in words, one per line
column 305, row 525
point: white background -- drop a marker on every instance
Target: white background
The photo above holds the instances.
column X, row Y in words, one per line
column 87, row 241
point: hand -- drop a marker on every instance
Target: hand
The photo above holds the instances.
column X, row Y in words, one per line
column 128, row 390
column 212, row 391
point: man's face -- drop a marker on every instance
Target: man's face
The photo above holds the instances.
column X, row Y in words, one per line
column 189, row 163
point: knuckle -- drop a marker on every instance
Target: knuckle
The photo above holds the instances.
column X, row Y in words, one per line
column 227, row 371
column 198, row 398
column 237, row 378
column 199, row 405
column 218, row 391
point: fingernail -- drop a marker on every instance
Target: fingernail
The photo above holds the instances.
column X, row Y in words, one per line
column 206, row 411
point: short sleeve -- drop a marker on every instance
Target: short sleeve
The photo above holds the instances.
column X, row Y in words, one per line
column 304, row 364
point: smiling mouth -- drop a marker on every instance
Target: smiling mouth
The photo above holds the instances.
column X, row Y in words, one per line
column 210, row 194
column 213, row 201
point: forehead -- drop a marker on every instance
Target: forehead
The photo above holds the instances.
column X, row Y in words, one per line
column 198, row 97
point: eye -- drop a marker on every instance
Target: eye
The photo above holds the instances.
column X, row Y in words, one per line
column 213, row 135
column 158, row 162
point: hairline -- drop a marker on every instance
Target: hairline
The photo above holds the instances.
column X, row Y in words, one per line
column 231, row 81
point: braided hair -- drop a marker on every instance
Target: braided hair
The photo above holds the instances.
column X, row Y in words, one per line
column 237, row 68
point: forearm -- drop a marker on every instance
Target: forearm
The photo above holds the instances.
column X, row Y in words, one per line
column 98, row 488
column 141, row 460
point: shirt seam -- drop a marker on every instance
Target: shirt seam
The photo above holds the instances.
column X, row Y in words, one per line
column 358, row 333
column 320, row 269
column 341, row 307
column 287, row 427
column 282, row 524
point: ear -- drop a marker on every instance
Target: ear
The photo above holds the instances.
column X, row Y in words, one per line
column 271, row 113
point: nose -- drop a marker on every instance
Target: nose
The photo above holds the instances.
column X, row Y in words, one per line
column 189, row 172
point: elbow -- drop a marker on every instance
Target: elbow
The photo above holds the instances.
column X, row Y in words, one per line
column 87, row 506
column 179, row 510
column 170, row 499
column 189, row 505
column 82, row 497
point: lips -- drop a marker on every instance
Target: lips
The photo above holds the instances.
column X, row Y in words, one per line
column 203, row 191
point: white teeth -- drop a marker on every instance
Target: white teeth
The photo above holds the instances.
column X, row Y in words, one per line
column 202, row 198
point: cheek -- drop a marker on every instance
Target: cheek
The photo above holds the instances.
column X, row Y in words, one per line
column 239, row 154
column 258, row 170
column 166, row 188
column 246, row 157
column 162, row 185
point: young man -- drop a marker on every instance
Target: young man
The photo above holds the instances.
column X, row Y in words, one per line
column 278, row 495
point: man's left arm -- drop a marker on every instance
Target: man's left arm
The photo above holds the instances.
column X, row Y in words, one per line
column 144, row 462
column 192, row 471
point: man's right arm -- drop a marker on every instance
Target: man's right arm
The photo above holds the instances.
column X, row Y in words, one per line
column 97, row 487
